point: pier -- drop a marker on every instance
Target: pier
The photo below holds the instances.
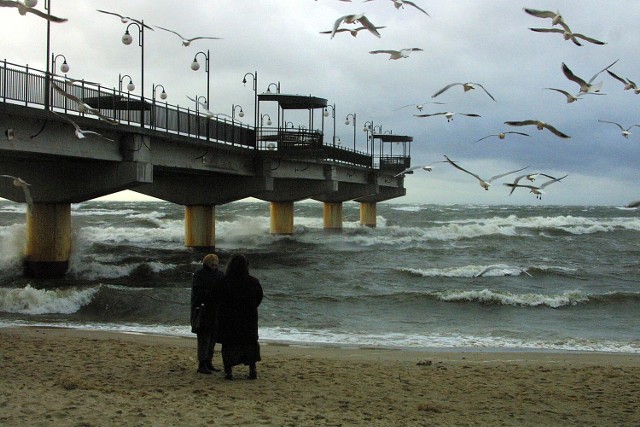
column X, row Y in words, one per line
column 184, row 156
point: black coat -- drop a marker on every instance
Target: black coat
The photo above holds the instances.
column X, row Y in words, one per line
column 202, row 292
column 238, row 302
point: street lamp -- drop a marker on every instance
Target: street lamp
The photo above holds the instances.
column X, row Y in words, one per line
column 367, row 127
column 346, row 122
column 333, row 116
column 233, row 111
column 288, row 125
column 163, row 94
column 277, row 85
column 64, row 67
column 254, row 77
column 130, row 86
column 127, row 40
column 262, row 116
column 195, row 66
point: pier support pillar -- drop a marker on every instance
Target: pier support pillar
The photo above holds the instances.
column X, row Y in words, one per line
column 332, row 216
column 200, row 227
column 48, row 245
column 368, row 214
column 281, row 217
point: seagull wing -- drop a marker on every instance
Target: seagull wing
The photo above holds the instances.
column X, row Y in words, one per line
column 589, row 39
column 444, row 89
column 552, row 181
column 519, row 133
column 111, row 13
column 615, row 76
column 613, row 123
column 462, row 169
column 337, row 24
column 204, row 37
column 522, row 123
column 604, row 69
column 428, row 115
column 410, row 3
column 470, row 114
column 547, row 30
column 540, row 13
column 569, row 74
column 407, row 170
column 485, row 137
column 390, row 52
column 555, row 131
column 46, row 16
column 171, row 31
column 514, row 184
column 369, row 26
column 505, row 174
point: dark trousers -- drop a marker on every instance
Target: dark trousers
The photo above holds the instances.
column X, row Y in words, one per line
column 206, row 342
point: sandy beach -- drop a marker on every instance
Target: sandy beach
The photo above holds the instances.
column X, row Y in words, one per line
column 54, row 376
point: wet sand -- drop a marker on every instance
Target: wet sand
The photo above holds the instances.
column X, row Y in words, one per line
column 52, row 376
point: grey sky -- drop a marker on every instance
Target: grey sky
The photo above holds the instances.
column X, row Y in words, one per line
column 479, row 41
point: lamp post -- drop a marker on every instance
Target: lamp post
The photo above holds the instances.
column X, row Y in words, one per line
column 368, row 126
column 233, row 112
column 346, row 122
column 277, row 85
column 163, row 96
column 127, row 39
column 64, row 67
column 333, row 116
column 288, row 125
column 130, row 86
column 254, row 77
column 262, row 116
column 195, row 66
column 47, row 76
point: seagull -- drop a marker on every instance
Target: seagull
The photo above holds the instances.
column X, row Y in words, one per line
column 19, row 182
column 84, row 107
column 353, row 32
column 568, row 34
column 397, row 54
column 484, row 183
column 23, row 9
column 556, row 18
column 399, row 4
column 628, row 84
column 635, row 204
column 585, row 87
column 125, row 19
column 419, row 107
column 427, row 168
column 352, row 19
column 449, row 115
column 625, row 132
column 466, row 86
column 203, row 107
column 502, row 135
column 495, row 267
column 185, row 41
column 534, row 189
column 540, row 125
column 530, row 177
column 570, row 98
column 80, row 133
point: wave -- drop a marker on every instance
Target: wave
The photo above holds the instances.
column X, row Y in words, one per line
column 33, row 301
column 486, row 296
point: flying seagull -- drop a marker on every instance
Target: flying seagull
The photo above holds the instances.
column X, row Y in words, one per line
column 568, row 34
column 466, row 86
column 420, row 106
column 570, row 98
column 585, row 87
column 623, row 131
column 186, row 41
column 397, row 54
column 203, row 107
column 537, row 190
column 530, row 177
column 23, row 9
column 484, row 183
column 540, row 125
column 449, row 115
column 83, row 107
column 19, row 182
column 502, row 135
column 426, row 168
column 354, row 32
column 80, row 133
column 556, row 18
column 628, row 84
column 399, row 4
column 125, row 19
column 352, row 19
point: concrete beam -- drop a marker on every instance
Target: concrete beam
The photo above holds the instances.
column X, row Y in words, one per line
column 290, row 190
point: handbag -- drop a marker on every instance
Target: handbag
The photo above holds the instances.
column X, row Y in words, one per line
column 197, row 318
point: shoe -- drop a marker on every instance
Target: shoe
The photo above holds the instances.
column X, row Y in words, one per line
column 228, row 376
column 252, row 376
column 202, row 369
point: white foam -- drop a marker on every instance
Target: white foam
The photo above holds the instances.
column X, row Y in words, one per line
column 29, row 300
column 12, row 240
column 487, row 296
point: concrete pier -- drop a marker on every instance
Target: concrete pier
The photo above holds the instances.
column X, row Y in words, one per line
column 368, row 214
column 332, row 216
column 281, row 217
column 48, row 245
column 200, row 227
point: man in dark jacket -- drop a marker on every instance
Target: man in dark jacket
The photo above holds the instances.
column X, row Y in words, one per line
column 202, row 298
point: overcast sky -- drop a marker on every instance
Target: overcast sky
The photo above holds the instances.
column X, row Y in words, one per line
column 487, row 42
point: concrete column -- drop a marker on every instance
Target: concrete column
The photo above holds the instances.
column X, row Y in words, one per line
column 368, row 214
column 200, row 227
column 48, row 245
column 281, row 217
column 332, row 216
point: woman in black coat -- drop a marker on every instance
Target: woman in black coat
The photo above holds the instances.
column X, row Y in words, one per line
column 239, row 295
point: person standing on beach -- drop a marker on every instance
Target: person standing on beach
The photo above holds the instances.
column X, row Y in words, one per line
column 239, row 294
column 203, row 298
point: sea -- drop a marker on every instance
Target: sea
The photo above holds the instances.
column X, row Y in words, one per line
column 427, row 277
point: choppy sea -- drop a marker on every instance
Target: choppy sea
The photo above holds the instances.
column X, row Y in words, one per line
column 555, row 277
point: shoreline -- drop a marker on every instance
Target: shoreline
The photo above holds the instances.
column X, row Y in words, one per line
column 59, row 376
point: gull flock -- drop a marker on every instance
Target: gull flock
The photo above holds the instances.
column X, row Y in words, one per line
column 357, row 23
